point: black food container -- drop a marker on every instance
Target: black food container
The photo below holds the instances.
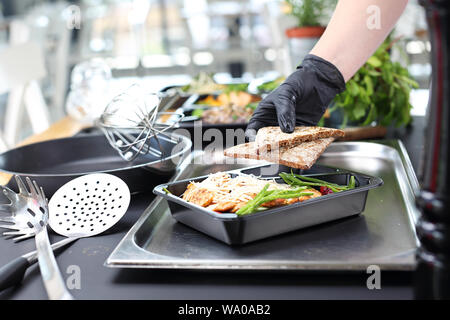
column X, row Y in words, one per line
column 236, row 230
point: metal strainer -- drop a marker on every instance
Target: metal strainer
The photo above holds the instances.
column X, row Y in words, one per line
column 88, row 205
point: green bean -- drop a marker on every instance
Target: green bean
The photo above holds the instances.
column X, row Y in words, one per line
column 295, row 179
column 289, row 179
column 323, row 183
column 282, row 196
column 351, row 183
column 249, row 203
column 318, row 181
column 253, row 205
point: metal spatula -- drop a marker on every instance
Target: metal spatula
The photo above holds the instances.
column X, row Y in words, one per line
column 83, row 207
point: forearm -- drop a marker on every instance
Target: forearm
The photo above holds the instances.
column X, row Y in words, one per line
column 352, row 36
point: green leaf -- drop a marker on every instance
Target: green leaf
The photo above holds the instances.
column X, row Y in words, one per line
column 388, row 119
column 364, row 96
column 344, row 121
column 359, row 111
column 353, row 88
column 371, row 115
column 348, row 100
column 369, row 85
column 391, row 91
column 373, row 73
column 374, row 62
column 409, row 81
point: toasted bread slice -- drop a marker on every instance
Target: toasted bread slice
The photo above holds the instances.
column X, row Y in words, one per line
column 269, row 138
column 245, row 150
column 301, row 156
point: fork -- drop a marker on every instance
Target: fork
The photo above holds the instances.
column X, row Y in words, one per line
column 28, row 217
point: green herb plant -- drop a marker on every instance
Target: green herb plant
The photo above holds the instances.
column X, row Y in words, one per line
column 378, row 93
column 310, row 13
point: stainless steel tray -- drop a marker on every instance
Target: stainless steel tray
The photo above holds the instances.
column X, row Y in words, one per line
column 383, row 235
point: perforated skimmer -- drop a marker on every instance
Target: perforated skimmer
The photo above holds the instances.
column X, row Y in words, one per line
column 88, row 205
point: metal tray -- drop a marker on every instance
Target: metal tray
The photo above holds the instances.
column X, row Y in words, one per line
column 383, row 235
column 235, row 230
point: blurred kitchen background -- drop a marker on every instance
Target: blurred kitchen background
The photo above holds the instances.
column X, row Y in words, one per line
column 160, row 42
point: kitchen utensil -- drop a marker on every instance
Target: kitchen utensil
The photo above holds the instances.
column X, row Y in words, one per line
column 130, row 121
column 92, row 196
column 12, row 273
column 232, row 229
column 58, row 161
column 88, row 205
column 28, row 216
column 383, row 235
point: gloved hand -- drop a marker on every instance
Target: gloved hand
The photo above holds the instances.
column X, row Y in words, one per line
column 301, row 99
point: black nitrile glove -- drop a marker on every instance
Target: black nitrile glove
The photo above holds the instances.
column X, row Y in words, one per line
column 301, row 99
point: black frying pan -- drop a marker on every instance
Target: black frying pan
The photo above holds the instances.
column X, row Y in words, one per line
column 55, row 162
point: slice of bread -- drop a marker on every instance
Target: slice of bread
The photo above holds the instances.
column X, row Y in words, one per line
column 245, row 150
column 301, row 156
column 269, row 138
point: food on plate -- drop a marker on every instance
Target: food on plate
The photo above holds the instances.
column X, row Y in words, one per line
column 245, row 194
column 301, row 156
column 228, row 107
column 227, row 114
column 272, row 137
column 203, row 83
column 212, row 101
column 239, row 98
column 224, row 103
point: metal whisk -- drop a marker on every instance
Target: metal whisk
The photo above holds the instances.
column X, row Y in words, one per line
column 131, row 120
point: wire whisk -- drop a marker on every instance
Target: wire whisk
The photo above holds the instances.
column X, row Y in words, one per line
column 132, row 123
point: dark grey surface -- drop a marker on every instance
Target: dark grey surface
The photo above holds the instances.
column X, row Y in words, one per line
column 99, row 282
